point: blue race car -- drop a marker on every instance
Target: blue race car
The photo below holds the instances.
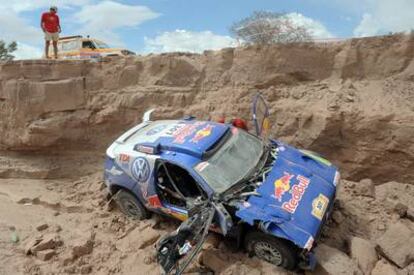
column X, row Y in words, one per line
column 271, row 197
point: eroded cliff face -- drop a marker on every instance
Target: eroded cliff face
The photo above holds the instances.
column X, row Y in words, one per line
column 351, row 101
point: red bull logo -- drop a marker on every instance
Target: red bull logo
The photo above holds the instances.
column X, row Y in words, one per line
column 282, row 185
column 203, row 133
column 297, row 193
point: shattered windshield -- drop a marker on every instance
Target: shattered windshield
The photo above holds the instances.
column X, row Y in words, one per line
column 232, row 162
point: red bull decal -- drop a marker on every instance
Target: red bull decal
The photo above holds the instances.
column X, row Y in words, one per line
column 282, row 185
column 183, row 132
column 297, row 193
column 203, row 133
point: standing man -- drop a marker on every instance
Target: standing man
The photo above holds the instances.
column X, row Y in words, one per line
column 51, row 27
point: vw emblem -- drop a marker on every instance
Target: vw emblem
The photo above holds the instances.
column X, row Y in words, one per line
column 140, row 169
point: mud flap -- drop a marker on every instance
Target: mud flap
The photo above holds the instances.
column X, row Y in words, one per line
column 176, row 250
column 309, row 262
column 260, row 112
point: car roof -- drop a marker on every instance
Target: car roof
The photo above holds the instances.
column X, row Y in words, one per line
column 75, row 38
column 188, row 137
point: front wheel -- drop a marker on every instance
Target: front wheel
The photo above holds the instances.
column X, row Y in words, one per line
column 271, row 249
column 131, row 206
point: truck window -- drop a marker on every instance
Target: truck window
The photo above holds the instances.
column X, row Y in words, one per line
column 101, row 45
column 88, row 45
column 68, row 46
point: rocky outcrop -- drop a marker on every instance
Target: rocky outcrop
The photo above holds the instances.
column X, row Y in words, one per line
column 333, row 261
column 363, row 253
column 397, row 244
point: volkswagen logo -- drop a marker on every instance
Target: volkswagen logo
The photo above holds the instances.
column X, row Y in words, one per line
column 140, row 169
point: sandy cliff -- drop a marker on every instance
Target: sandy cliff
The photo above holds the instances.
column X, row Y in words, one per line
column 351, row 101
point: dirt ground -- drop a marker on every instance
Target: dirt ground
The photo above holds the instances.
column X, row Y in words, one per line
column 76, row 213
column 353, row 102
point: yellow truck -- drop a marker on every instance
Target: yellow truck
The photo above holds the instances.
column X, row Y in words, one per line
column 79, row 47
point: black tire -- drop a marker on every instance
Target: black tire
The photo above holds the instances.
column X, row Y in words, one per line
column 131, row 206
column 271, row 249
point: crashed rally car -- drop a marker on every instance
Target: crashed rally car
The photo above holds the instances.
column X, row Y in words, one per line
column 273, row 199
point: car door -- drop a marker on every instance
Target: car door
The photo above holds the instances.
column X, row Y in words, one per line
column 89, row 49
column 260, row 112
column 176, row 250
column 176, row 188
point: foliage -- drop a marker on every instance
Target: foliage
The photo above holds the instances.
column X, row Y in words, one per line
column 264, row 27
column 7, row 50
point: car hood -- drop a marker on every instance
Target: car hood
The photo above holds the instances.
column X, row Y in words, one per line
column 295, row 197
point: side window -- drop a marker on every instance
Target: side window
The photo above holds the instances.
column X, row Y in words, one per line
column 69, row 46
column 175, row 185
column 88, row 45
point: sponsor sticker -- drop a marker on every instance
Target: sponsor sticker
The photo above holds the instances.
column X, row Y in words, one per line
column 201, row 166
column 181, row 131
column 154, row 201
column 282, row 185
column 140, row 169
column 309, row 243
column 174, row 129
column 144, row 190
column 123, row 158
column 203, row 133
column 145, row 149
column 246, row 204
column 319, row 205
column 316, row 157
column 156, row 130
column 297, row 192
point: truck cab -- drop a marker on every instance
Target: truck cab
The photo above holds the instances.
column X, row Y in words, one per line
column 79, row 47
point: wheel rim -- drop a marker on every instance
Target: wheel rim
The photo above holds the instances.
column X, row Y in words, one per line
column 131, row 208
column 268, row 253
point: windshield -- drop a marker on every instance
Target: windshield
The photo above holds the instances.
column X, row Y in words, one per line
column 232, row 162
column 101, row 45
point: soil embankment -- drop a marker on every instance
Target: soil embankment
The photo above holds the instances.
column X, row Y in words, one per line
column 351, row 101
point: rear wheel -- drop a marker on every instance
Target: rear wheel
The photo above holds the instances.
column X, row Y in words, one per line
column 271, row 249
column 131, row 206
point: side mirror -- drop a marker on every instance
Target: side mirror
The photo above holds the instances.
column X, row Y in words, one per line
column 147, row 115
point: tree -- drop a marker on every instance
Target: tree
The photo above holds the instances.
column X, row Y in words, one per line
column 264, row 27
column 6, row 50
